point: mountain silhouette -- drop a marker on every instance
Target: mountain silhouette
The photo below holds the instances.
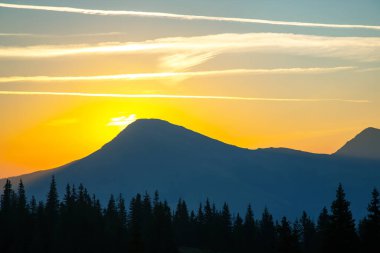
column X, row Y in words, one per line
column 365, row 145
column 154, row 155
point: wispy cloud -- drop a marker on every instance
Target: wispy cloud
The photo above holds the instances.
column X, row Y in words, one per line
column 40, row 35
column 183, row 16
column 376, row 69
column 165, row 75
column 185, row 60
column 122, row 121
column 194, row 50
column 170, row 96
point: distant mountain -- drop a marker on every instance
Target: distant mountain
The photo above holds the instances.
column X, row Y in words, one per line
column 365, row 145
column 154, row 155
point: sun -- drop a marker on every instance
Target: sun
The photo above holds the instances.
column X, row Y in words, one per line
column 122, row 121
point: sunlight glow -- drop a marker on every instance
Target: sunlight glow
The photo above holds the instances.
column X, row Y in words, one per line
column 122, row 121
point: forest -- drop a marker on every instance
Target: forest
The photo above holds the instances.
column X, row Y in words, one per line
column 77, row 222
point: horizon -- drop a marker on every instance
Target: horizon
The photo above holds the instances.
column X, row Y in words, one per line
column 186, row 129
column 252, row 74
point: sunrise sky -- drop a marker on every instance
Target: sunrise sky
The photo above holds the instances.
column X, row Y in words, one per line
column 290, row 73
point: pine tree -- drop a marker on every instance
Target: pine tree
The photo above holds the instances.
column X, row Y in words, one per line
column 238, row 235
column 6, row 198
column 267, row 235
column 50, row 232
column 226, row 229
column 322, row 233
column 370, row 226
column 342, row 236
column 7, row 218
column 52, row 203
column 21, row 199
column 250, row 231
column 135, row 242
column 21, row 223
column 122, row 212
column 307, row 233
column 287, row 239
column 181, row 223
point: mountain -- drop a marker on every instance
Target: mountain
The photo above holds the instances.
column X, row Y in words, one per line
column 154, row 155
column 365, row 145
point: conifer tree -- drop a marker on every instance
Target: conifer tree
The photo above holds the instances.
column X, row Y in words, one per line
column 21, row 198
column 181, row 223
column 52, row 203
column 7, row 217
column 267, row 235
column 50, row 232
column 307, row 233
column 135, row 241
column 226, row 228
column 250, row 231
column 370, row 226
column 322, row 233
column 6, row 198
column 287, row 240
column 122, row 212
column 238, row 235
column 342, row 236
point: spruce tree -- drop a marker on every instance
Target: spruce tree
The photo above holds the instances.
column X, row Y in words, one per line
column 250, row 231
column 238, row 243
column 50, row 232
column 322, row 233
column 267, row 235
column 7, row 218
column 370, row 226
column 307, row 233
column 135, row 240
column 181, row 223
column 287, row 240
column 226, row 228
column 21, row 198
column 6, row 198
column 342, row 236
column 52, row 203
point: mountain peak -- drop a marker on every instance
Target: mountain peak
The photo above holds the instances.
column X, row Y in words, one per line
column 364, row 145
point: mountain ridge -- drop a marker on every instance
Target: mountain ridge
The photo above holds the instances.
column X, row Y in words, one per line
column 154, row 155
column 365, row 145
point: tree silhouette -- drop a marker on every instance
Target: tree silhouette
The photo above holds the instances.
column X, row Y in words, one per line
column 308, row 234
column 342, row 236
column 287, row 240
column 267, row 233
column 370, row 226
column 78, row 223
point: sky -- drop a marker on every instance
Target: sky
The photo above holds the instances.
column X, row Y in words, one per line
column 292, row 73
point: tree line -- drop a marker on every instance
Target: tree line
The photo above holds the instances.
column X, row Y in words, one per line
column 78, row 223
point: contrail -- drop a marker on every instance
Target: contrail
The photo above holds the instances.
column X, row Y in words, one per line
column 169, row 96
column 182, row 16
column 163, row 75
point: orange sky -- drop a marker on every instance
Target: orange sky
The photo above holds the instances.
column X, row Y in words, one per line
column 305, row 83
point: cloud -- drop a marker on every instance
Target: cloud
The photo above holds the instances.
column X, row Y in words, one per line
column 185, row 60
column 171, row 96
column 368, row 70
column 166, row 75
column 122, row 121
column 198, row 49
column 183, row 16
column 40, row 35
